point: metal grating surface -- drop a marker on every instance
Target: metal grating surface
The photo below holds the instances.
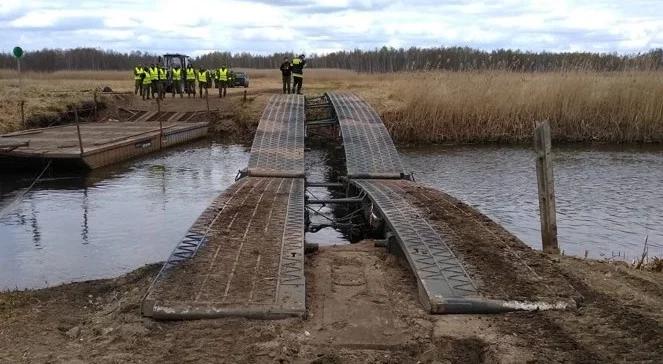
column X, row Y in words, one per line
column 145, row 116
column 137, row 114
column 369, row 150
column 278, row 146
column 244, row 256
column 439, row 272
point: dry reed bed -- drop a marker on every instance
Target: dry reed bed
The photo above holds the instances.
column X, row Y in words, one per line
column 502, row 106
column 427, row 107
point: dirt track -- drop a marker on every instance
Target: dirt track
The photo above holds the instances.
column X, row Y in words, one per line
column 362, row 308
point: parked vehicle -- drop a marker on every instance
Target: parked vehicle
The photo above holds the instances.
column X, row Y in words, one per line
column 240, row 79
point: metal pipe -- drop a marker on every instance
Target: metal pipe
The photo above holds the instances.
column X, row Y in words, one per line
column 322, row 122
column 335, row 200
column 318, row 106
column 324, row 184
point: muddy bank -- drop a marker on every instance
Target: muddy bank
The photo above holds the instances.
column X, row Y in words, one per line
column 362, row 308
column 231, row 118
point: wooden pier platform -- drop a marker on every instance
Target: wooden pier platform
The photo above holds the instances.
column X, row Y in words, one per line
column 100, row 143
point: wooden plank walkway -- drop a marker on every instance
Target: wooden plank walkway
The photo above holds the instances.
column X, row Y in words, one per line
column 244, row 256
column 278, row 146
column 103, row 142
column 369, row 150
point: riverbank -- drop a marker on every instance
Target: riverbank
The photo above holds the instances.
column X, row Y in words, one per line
column 618, row 320
column 422, row 107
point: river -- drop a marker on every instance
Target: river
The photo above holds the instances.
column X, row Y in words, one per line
column 111, row 221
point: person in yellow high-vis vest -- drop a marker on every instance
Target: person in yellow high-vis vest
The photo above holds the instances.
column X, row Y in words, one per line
column 202, row 81
column 222, row 80
column 161, row 85
column 147, row 83
column 154, row 75
column 190, row 81
column 298, row 64
column 177, row 81
column 138, row 80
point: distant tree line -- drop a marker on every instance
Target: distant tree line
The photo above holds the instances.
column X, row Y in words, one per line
column 379, row 60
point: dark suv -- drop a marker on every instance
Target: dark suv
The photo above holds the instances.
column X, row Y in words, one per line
column 240, row 79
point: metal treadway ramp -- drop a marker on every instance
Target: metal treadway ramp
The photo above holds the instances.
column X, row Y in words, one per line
column 244, row 256
column 278, row 146
column 441, row 278
column 369, row 150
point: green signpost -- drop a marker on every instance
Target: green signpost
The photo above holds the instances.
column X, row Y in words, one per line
column 18, row 53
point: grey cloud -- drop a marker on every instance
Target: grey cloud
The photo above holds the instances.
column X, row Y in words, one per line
column 66, row 23
column 310, row 7
column 75, row 31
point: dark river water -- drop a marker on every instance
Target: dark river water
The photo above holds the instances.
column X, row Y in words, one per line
column 609, row 200
column 111, row 221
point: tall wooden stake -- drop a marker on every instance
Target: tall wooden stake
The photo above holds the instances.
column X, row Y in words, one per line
column 20, row 90
column 22, row 102
column 160, row 123
column 209, row 114
column 95, row 105
column 544, row 174
column 244, row 99
column 78, row 130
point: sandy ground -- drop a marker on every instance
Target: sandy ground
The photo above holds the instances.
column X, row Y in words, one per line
column 362, row 308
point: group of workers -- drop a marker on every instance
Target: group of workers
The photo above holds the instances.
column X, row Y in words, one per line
column 293, row 70
column 151, row 81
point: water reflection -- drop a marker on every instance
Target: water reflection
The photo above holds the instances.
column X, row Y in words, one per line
column 608, row 199
column 322, row 165
column 109, row 221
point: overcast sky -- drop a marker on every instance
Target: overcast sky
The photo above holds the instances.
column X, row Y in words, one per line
column 263, row 26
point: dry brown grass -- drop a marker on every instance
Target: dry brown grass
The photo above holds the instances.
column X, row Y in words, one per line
column 502, row 106
column 427, row 107
column 48, row 94
column 498, row 106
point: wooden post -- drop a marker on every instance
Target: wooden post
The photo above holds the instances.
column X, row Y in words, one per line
column 244, row 99
column 209, row 114
column 78, row 130
column 95, row 105
column 160, row 123
column 20, row 77
column 544, row 174
column 22, row 102
column 20, row 90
